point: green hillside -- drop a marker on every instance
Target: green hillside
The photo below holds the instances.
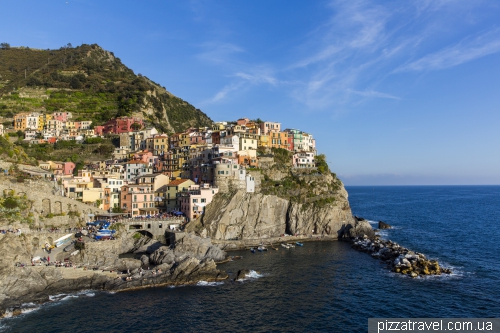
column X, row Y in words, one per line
column 91, row 83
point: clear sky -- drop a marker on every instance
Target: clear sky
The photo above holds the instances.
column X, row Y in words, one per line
column 395, row 92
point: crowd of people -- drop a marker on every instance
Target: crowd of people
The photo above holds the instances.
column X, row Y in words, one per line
column 11, row 231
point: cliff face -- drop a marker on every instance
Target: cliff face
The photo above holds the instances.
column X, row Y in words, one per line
column 241, row 215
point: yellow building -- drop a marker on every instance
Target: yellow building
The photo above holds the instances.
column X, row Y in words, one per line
column 69, row 125
column 43, row 119
column 264, row 141
column 160, row 144
column 20, row 121
column 168, row 193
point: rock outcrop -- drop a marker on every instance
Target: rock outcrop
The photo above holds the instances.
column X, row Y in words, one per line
column 239, row 215
column 398, row 258
column 100, row 267
column 383, row 225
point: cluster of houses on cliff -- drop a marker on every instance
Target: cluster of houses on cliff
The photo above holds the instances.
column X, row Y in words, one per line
column 153, row 173
column 41, row 127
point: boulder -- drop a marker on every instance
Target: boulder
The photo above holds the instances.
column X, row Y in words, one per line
column 144, row 260
column 242, row 274
column 383, row 225
column 127, row 264
column 358, row 229
column 163, row 255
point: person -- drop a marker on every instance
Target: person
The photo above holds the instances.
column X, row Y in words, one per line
column 48, row 259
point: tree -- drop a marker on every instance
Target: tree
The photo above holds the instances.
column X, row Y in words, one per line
column 4, row 46
column 136, row 126
column 117, row 210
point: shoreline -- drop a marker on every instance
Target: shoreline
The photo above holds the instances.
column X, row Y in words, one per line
column 112, row 281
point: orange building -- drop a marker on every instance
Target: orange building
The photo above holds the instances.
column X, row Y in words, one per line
column 279, row 140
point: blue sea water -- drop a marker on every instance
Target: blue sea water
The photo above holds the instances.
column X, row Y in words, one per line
column 322, row 286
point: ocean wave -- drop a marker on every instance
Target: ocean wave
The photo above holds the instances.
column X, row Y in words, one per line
column 206, row 283
column 252, row 275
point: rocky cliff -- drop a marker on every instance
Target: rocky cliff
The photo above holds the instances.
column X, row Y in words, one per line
column 100, row 266
column 288, row 201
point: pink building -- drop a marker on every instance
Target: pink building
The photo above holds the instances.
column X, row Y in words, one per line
column 62, row 116
column 123, row 125
column 194, row 199
column 99, row 130
column 269, row 126
column 145, row 156
column 197, row 138
column 138, row 200
column 242, row 121
column 63, row 168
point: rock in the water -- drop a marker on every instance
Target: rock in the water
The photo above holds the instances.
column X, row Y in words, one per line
column 383, row 225
column 242, row 274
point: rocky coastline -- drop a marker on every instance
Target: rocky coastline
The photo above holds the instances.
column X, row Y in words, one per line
column 399, row 259
column 101, row 267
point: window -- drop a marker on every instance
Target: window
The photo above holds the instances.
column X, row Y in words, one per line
column 203, row 200
column 195, row 200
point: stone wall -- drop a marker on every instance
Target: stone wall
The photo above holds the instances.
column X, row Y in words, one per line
column 45, row 199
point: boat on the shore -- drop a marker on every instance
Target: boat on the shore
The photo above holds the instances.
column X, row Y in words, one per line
column 252, row 250
column 104, row 234
column 286, row 246
column 64, row 239
column 290, row 245
column 299, row 244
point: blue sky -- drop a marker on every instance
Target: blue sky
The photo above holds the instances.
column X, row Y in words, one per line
column 395, row 92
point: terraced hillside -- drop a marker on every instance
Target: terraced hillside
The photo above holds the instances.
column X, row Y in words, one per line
column 91, row 83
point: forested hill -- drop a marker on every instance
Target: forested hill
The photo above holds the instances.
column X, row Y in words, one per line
column 91, row 83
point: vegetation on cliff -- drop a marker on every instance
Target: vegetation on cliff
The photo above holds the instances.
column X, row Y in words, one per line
column 11, row 153
column 91, row 83
column 14, row 208
column 316, row 187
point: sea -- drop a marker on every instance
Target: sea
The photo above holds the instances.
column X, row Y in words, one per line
column 322, row 286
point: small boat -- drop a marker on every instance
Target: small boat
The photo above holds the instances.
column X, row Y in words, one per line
column 252, row 250
column 104, row 234
column 299, row 244
column 262, row 248
column 285, row 245
column 64, row 239
column 290, row 245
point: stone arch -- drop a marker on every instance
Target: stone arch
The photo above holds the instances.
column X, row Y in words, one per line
column 57, row 208
column 145, row 233
column 46, row 209
column 35, row 242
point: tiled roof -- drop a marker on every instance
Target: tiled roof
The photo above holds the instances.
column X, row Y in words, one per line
column 177, row 182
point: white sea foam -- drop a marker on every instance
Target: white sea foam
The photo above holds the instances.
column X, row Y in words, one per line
column 254, row 275
column 56, row 297
column 383, row 234
column 206, row 283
